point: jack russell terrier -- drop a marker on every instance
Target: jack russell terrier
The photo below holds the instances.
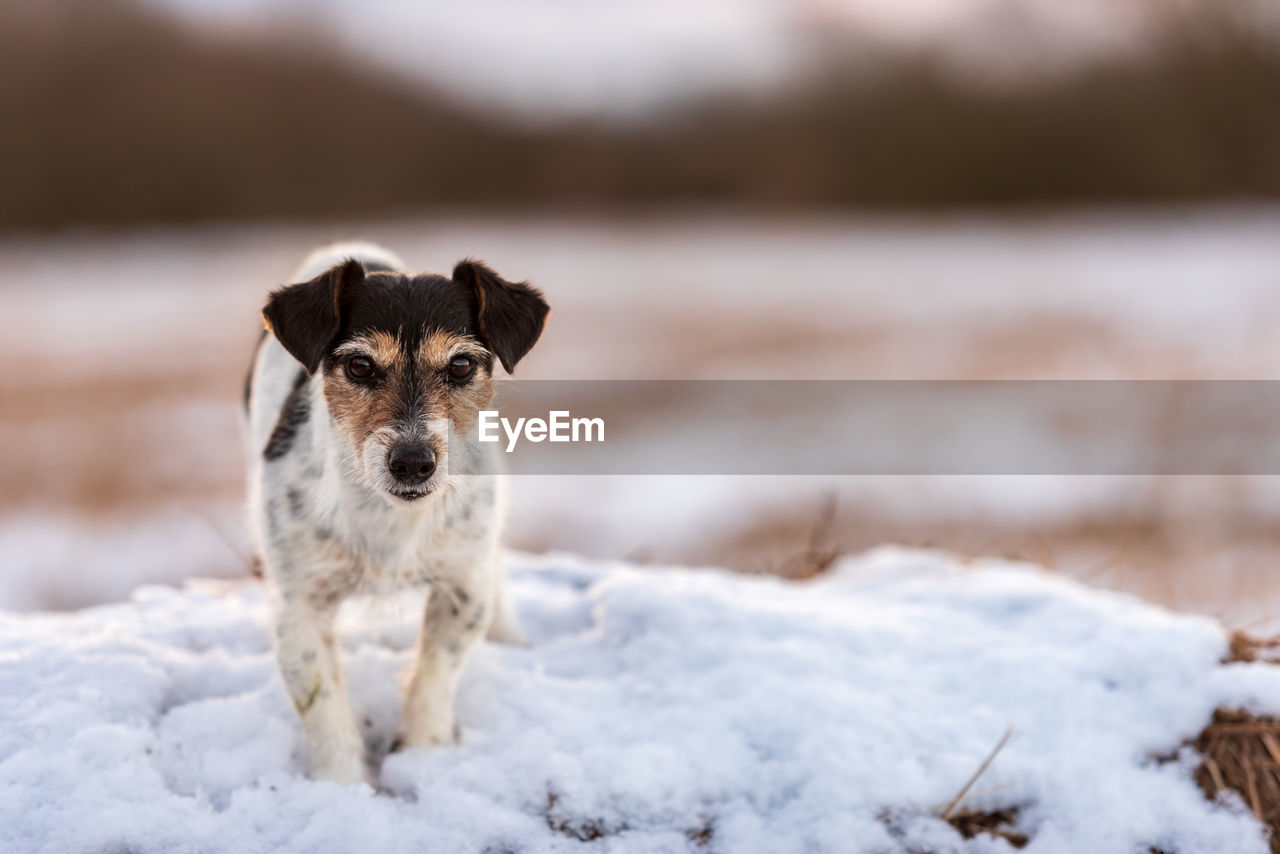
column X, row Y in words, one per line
column 362, row 478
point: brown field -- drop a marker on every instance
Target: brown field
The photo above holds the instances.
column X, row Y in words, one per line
column 132, row 349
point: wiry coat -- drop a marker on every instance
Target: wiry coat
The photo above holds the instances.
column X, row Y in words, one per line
column 365, row 361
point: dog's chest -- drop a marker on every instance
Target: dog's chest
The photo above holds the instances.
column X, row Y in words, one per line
column 393, row 549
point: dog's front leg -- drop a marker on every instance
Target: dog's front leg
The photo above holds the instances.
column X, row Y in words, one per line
column 457, row 615
column 312, row 674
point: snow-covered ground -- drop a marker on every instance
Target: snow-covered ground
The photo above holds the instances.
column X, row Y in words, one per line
column 655, row 710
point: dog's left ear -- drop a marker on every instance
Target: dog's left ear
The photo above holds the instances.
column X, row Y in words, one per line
column 510, row 315
column 305, row 317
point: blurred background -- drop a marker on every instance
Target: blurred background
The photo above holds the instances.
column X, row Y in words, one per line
column 849, row 189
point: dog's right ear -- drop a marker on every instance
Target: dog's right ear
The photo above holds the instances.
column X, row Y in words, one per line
column 305, row 317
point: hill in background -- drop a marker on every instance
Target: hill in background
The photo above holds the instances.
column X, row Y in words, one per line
column 117, row 114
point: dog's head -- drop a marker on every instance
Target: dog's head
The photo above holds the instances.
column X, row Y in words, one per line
column 406, row 360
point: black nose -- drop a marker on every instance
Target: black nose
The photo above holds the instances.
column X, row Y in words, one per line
column 412, row 464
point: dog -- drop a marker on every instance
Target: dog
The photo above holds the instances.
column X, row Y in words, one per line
column 365, row 385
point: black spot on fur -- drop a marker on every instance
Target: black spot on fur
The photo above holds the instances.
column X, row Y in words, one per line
column 293, row 414
column 462, row 595
column 297, row 506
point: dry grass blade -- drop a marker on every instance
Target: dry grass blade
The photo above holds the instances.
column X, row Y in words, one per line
column 819, row 554
column 1272, row 745
column 1215, row 776
column 1251, row 786
column 986, row 763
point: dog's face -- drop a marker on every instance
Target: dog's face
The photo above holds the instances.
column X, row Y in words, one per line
column 406, row 361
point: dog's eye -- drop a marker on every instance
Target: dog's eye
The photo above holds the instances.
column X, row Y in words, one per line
column 462, row 367
column 359, row 368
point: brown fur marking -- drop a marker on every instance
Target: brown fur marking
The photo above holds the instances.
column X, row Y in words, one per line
column 361, row 410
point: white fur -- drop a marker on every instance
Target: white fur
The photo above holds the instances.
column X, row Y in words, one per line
column 325, row 528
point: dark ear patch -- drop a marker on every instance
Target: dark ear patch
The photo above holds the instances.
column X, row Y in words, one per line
column 509, row 315
column 305, row 317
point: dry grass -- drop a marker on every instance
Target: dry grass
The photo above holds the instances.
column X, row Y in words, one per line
column 1218, row 562
column 1241, row 752
column 952, row 809
column 819, row 552
column 1246, row 648
column 971, row 822
column 995, row 823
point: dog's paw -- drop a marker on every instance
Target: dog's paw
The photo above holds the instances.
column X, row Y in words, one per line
column 346, row 770
column 431, row 734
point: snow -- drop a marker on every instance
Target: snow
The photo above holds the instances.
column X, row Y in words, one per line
column 657, row 708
